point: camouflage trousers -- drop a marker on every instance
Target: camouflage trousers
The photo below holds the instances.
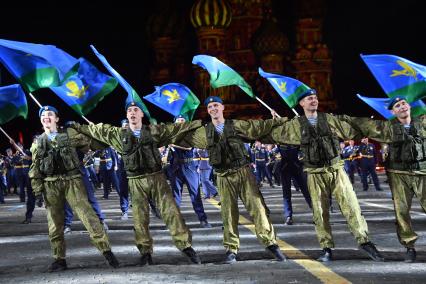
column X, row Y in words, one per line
column 155, row 187
column 242, row 183
column 71, row 190
column 335, row 182
column 404, row 187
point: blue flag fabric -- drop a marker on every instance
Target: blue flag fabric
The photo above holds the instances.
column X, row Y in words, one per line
column 398, row 76
column 84, row 90
column 222, row 75
column 12, row 103
column 381, row 106
column 131, row 93
column 288, row 88
column 174, row 98
column 36, row 65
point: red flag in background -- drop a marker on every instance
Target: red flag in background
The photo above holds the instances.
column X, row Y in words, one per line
column 21, row 138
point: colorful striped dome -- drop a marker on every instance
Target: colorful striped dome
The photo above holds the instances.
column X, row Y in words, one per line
column 211, row 13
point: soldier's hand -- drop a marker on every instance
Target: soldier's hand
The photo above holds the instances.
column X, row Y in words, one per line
column 274, row 114
column 39, row 199
column 72, row 124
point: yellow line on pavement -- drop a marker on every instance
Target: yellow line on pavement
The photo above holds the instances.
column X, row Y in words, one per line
column 317, row 269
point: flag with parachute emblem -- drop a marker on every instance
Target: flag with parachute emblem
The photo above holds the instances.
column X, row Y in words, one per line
column 175, row 98
column 398, row 76
column 85, row 89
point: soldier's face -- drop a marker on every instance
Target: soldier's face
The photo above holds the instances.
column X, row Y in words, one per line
column 134, row 115
column 309, row 103
column 215, row 110
column 180, row 120
column 49, row 119
column 401, row 109
column 351, row 142
column 9, row 152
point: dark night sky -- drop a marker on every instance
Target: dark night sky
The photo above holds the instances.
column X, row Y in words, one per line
column 117, row 30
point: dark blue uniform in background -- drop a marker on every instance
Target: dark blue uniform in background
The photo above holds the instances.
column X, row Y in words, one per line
column 350, row 155
column 368, row 164
column 261, row 158
column 22, row 167
column 183, row 170
column 2, row 184
column 108, row 163
column 205, row 170
column 292, row 168
column 10, row 172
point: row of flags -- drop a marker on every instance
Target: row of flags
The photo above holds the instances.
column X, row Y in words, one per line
column 82, row 86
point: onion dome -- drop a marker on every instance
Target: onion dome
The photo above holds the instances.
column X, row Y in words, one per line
column 268, row 38
column 211, row 13
column 165, row 22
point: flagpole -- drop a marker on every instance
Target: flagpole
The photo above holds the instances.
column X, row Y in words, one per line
column 39, row 104
column 13, row 142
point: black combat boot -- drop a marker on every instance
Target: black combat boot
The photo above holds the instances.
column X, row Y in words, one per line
column 192, row 255
column 112, row 260
column 288, row 221
column 205, row 224
column 146, row 258
column 276, row 252
column 57, row 265
column 26, row 221
column 370, row 249
column 231, row 257
column 325, row 255
column 411, row 254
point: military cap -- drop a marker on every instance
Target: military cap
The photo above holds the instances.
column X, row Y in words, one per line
column 133, row 103
column 212, row 99
column 184, row 116
column 305, row 94
column 394, row 100
column 45, row 108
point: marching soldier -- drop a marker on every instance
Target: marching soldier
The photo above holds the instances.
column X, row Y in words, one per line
column 318, row 136
column 224, row 140
column 55, row 174
column 139, row 148
column 405, row 163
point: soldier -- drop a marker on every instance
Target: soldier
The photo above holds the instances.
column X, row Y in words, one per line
column 204, row 170
column 261, row 159
column 292, row 168
column 367, row 163
column 350, row 154
column 2, row 185
column 183, row 170
column 318, row 136
column 88, row 162
column 224, row 140
column 107, row 170
column 139, row 148
column 55, row 174
column 22, row 164
column 10, row 172
column 405, row 163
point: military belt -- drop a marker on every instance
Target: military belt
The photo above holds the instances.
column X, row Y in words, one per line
column 105, row 160
column 367, row 156
column 201, row 159
column 21, row 167
column 260, row 160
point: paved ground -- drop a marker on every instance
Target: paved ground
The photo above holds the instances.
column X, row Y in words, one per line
column 25, row 250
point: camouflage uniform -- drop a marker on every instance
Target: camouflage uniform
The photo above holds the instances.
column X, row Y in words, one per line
column 405, row 166
column 231, row 162
column 326, row 175
column 55, row 174
column 142, row 162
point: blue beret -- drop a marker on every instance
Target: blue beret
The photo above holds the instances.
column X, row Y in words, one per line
column 184, row 116
column 44, row 108
column 212, row 99
column 394, row 100
column 305, row 94
column 133, row 103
